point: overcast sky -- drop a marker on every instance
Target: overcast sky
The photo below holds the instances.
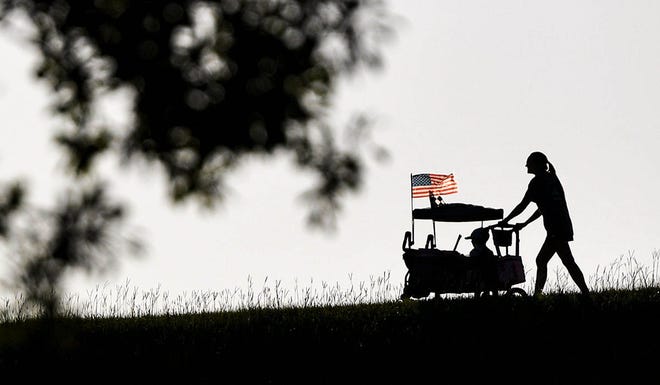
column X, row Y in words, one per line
column 468, row 87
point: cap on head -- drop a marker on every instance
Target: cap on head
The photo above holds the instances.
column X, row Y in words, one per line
column 479, row 234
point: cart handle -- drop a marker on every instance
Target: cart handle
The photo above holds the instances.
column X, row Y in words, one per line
column 516, row 227
column 407, row 240
column 430, row 242
column 516, row 230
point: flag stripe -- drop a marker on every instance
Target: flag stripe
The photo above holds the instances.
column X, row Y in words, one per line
column 434, row 188
column 425, row 193
column 437, row 184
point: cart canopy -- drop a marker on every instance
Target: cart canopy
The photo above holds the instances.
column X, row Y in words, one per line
column 458, row 212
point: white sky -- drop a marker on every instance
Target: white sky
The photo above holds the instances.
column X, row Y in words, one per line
column 469, row 87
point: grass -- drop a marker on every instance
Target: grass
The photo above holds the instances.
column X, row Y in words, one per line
column 130, row 301
column 330, row 334
column 624, row 273
column 558, row 337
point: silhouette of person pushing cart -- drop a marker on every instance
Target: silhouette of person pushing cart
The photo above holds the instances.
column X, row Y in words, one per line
column 547, row 192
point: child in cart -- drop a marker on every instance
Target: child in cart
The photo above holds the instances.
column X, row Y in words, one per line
column 483, row 259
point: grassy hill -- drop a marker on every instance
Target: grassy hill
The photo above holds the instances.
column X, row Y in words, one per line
column 558, row 338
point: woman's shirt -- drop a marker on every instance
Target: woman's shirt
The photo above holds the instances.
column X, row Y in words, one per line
column 547, row 192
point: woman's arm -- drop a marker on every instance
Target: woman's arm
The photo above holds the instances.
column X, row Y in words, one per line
column 516, row 211
column 531, row 219
column 526, row 200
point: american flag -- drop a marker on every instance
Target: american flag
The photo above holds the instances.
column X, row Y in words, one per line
column 437, row 184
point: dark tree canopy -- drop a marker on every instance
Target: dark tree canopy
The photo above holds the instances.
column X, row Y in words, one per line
column 212, row 81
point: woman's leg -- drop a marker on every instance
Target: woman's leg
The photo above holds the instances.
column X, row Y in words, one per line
column 564, row 252
column 542, row 259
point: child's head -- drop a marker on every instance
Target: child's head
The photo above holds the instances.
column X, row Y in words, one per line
column 479, row 236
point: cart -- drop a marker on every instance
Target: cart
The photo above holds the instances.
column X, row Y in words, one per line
column 431, row 270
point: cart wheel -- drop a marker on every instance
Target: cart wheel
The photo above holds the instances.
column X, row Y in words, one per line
column 487, row 293
column 414, row 288
column 422, row 293
column 406, row 287
column 516, row 292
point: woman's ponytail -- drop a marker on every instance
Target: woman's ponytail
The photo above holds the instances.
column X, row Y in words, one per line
column 541, row 161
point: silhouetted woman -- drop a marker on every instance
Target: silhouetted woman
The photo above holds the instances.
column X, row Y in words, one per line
column 547, row 192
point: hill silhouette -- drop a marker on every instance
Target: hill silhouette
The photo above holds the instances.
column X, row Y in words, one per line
column 557, row 339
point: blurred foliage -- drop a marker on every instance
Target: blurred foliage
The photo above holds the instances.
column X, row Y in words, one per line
column 11, row 200
column 80, row 232
column 212, row 82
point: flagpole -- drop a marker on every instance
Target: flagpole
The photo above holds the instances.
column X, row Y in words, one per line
column 412, row 217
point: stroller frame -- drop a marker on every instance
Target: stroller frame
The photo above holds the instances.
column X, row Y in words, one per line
column 448, row 271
